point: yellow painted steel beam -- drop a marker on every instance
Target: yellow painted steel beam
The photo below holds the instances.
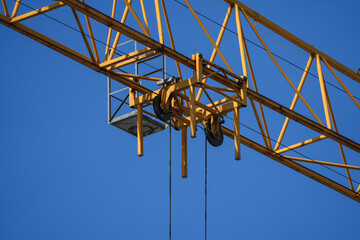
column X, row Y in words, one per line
column 293, row 104
column 224, row 100
column 237, row 130
column 199, row 104
column 16, row 8
column 184, row 151
column 323, row 163
column 241, row 40
column 325, row 99
column 133, row 60
column 140, row 133
column 211, row 101
column 92, row 37
column 110, row 31
column 295, row 166
column 128, row 75
column 222, row 89
column 301, row 144
column 264, row 136
column 6, row 10
column 84, row 36
column 144, row 15
column 192, row 111
column 37, row 12
column 237, row 98
column 159, row 22
column 295, row 40
column 125, row 57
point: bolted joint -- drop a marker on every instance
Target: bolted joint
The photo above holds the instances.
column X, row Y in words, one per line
column 242, row 79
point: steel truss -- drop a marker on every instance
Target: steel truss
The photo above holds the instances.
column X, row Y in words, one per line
column 226, row 90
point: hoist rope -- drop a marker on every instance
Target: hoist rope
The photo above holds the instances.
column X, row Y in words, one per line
column 170, row 180
column 205, row 188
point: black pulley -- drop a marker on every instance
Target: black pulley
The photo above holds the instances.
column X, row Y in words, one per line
column 162, row 113
column 214, row 138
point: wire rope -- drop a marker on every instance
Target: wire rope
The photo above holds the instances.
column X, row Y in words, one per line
column 206, row 163
column 170, row 180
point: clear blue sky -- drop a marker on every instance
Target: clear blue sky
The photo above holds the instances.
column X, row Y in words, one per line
column 66, row 174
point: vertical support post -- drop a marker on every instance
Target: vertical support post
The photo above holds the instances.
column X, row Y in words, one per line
column 164, row 66
column 243, row 91
column 241, row 40
column 132, row 95
column 184, row 151
column 237, row 130
column 140, row 135
column 136, row 63
column 159, row 23
column 192, row 108
column 197, row 77
column 323, row 92
column 198, row 58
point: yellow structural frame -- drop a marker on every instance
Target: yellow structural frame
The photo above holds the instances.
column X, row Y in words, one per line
column 185, row 95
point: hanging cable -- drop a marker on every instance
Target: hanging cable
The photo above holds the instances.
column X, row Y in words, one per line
column 170, row 180
column 205, row 188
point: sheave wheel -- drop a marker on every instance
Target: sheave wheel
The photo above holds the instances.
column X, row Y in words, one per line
column 215, row 139
column 161, row 112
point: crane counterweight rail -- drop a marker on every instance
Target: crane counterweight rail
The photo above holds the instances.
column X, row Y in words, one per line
column 180, row 94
